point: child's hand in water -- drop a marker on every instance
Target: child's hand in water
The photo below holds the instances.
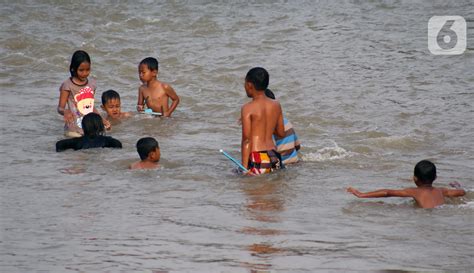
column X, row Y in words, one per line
column 107, row 124
column 353, row 191
column 68, row 116
column 455, row 185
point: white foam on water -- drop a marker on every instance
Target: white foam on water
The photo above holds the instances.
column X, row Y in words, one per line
column 327, row 154
column 469, row 205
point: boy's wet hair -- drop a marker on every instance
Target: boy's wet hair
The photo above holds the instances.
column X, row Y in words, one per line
column 425, row 171
column 269, row 94
column 259, row 77
column 150, row 62
column 92, row 125
column 145, row 146
column 109, row 95
column 77, row 59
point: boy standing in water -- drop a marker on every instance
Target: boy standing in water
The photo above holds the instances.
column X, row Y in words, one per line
column 261, row 118
column 425, row 195
column 152, row 92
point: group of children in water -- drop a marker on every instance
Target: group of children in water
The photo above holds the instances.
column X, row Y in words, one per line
column 268, row 139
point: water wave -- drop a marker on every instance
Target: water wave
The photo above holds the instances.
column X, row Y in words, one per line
column 327, row 154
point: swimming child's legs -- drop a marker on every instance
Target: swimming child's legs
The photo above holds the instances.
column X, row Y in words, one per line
column 264, row 162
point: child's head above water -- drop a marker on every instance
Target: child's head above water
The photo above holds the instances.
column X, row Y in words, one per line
column 148, row 148
column 150, row 62
column 93, row 125
column 111, row 103
column 80, row 64
column 425, row 172
column 258, row 77
column 148, row 69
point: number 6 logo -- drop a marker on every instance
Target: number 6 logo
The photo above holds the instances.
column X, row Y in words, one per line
column 447, row 35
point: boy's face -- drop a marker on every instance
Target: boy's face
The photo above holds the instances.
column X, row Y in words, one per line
column 112, row 107
column 145, row 73
column 248, row 88
column 155, row 155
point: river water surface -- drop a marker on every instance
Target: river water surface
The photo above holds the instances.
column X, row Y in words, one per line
column 355, row 78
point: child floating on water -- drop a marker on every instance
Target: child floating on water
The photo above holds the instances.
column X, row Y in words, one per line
column 93, row 136
column 78, row 93
column 260, row 119
column 149, row 152
column 289, row 145
column 152, row 92
column 112, row 106
column 425, row 195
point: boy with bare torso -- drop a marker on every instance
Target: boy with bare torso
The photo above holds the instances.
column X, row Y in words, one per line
column 425, row 195
column 261, row 118
column 152, row 92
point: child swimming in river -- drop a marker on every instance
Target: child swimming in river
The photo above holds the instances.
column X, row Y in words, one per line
column 112, row 106
column 149, row 152
column 78, row 93
column 152, row 92
column 94, row 130
column 425, row 195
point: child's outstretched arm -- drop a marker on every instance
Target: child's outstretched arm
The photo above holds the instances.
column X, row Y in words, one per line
column 381, row 193
column 174, row 98
column 453, row 192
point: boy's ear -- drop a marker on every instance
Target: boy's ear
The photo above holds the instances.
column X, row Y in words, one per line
column 102, row 107
column 415, row 179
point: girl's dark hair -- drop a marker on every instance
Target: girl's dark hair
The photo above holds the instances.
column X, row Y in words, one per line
column 259, row 77
column 269, row 94
column 77, row 59
column 92, row 125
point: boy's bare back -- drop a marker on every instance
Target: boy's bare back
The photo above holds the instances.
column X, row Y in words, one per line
column 261, row 116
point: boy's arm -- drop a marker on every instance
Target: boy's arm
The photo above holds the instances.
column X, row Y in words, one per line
column 140, row 107
column 246, row 130
column 382, row 193
column 453, row 192
column 174, row 98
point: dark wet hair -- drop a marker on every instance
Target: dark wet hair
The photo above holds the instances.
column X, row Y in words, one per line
column 93, row 125
column 145, row 146
column 150, row 62
column 259, row 77
column 109, row 95
column 269, row 94
column 425, row 171
column 77, row 59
